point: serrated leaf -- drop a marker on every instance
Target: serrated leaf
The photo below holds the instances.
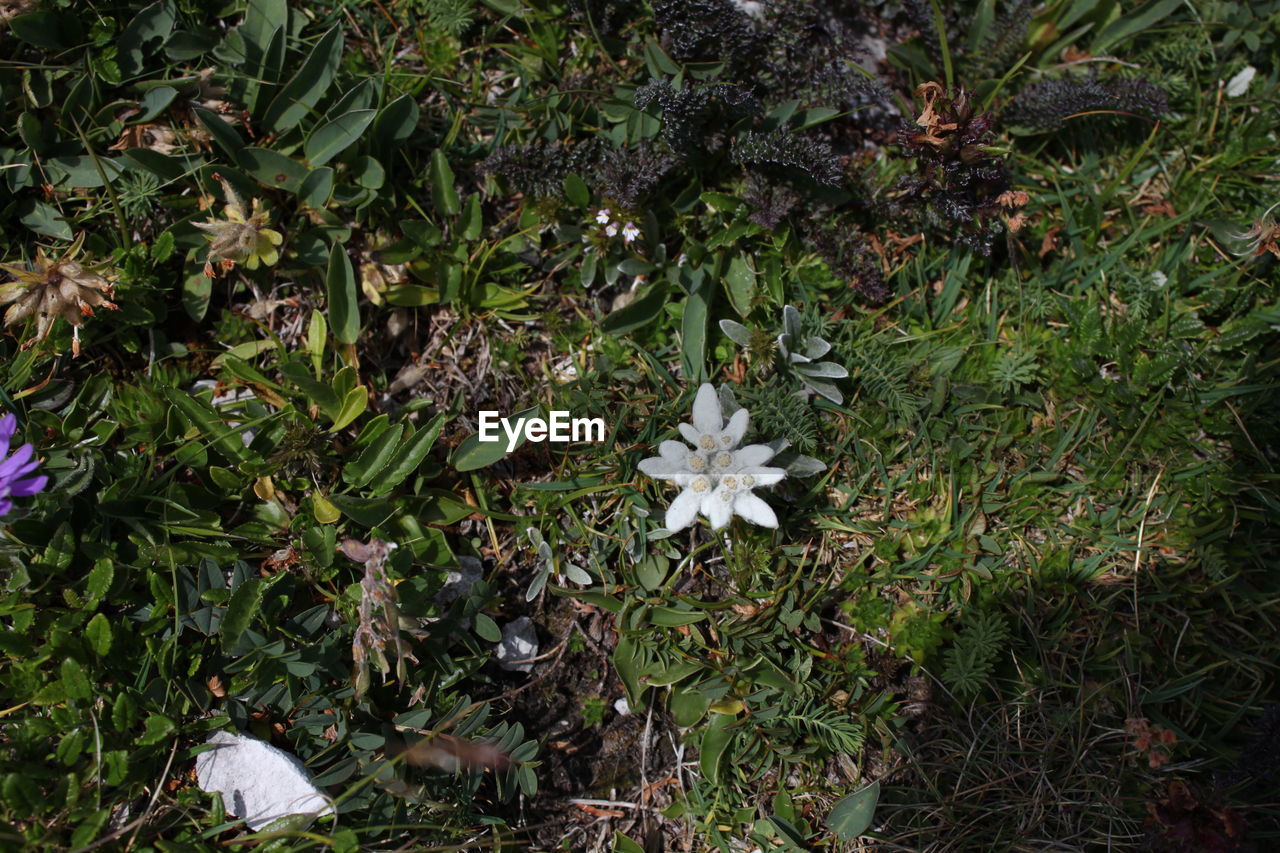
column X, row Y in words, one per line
column 100, row 578
column 74, row 681
column 98, row 634
column 156, row 729
column 850, row 817
column 340, row 285
column 305, row 89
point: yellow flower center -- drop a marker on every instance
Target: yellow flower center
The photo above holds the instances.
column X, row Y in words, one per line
column 697, row 463
column 700, row 485
column 748, row 481
column 707, row 442
column 724, row 459
column 730, row 483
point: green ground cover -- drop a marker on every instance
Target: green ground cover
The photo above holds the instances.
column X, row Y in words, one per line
column 995, row 281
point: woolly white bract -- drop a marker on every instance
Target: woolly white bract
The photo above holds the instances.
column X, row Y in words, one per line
column 716, row 476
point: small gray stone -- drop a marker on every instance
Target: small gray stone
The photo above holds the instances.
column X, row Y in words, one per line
column 519, row 643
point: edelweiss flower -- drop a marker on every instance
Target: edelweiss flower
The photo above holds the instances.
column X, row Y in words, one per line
column 716, row 475
column 14, row 471
column 241, row 238
column 61, row 288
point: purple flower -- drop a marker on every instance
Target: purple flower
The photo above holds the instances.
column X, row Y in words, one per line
column 14, row 481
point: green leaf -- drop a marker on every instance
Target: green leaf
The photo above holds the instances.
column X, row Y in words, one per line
column 487, row 629
column 444, row 195
column 641, row 312
column 472, row 453
column 409, row 455
column 715, row 739
column 575, row 190
column 693, row 332
column 472, row 219
column 224, row 135
column 337, row 135
column 623, row 844
column 340, row 285
column 98, row 634
column 44, row 219
column 245, row 602
column 850, row 817
column 397, row 120
column 100, row 578
column 156, row 729
column 740, row 280
column 210, row 423
column 300, row 95
column 74, row 681
column 688, row 706
column 197, row 290
column 353, row 405
column 44, row 28
column 1131, row 23
column 315, row 189
column 273, row 168
column 144, row 37
column 359, row 471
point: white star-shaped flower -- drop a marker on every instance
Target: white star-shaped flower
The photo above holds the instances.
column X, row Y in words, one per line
column 716, row 476
column 603, row 216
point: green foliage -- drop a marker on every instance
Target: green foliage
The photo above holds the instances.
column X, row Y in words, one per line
column 1046, row 482
column 979, row 644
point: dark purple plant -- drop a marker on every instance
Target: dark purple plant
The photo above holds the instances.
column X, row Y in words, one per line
column 14, row 471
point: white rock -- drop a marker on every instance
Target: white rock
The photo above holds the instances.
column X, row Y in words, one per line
column 519, row 643
column 622, row 707
column 258, row 782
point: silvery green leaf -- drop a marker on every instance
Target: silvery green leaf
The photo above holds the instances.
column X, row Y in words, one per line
column 791, row 322
column 823, row 370
column 823, row 388
column 728, row 401
column 815, row 348
column 797, row 465
column 778, row 445
column 784, row 345
column 736, row 332
column 535, row 536
column 576, row 574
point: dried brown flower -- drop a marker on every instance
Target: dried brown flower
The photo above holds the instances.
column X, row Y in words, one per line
column 63, row 288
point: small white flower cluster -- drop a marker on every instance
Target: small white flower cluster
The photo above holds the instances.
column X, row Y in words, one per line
column 630, row 232
column 717, row 475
